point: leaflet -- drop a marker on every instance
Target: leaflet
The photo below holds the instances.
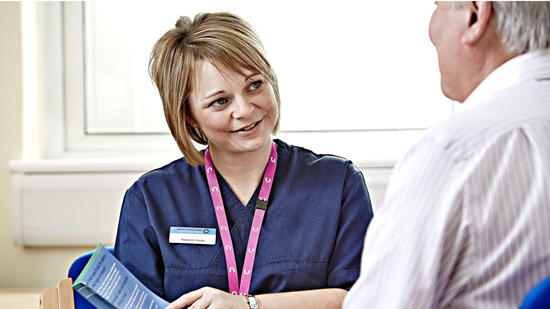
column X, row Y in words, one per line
column 106, row 283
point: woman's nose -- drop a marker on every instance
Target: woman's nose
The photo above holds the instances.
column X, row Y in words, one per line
column 242, row 107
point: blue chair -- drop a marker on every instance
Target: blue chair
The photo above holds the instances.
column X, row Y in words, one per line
column 538, row 297
column 75, row 270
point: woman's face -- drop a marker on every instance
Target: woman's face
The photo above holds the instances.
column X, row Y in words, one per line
column 237, row 113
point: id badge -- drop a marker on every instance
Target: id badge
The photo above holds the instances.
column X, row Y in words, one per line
column 192, row 235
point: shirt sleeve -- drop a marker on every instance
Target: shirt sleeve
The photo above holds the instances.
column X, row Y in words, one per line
column 356, row 213
column 418, row 238
column 136, row 243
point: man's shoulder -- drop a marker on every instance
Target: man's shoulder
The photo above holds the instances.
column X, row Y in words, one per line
column 502, row 113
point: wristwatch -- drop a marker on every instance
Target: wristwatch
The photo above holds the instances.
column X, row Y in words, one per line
column 252, row 301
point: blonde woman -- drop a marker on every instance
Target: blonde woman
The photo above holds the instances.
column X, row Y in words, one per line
column 248, row 222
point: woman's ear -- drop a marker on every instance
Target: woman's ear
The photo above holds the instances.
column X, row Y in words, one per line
column 191, row 122
column 479, row 15
column 189, row 115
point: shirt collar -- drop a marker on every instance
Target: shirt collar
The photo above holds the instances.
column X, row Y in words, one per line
column 530, row 67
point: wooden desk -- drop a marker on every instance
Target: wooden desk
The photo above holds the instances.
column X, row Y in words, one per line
column 24, row 298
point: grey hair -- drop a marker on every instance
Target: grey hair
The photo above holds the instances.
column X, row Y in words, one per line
column 523, row 26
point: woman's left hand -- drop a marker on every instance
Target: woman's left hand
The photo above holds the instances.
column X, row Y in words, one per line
column 208, row 297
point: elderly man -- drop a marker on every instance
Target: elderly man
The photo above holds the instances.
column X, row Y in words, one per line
column 466, row 220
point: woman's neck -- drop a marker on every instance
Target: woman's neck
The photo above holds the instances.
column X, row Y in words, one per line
column 242, row 171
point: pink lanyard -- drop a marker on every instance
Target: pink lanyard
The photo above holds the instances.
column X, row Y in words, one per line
column 261, row 206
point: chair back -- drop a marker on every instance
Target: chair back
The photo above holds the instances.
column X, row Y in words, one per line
column 76, row 268
column 538, row 296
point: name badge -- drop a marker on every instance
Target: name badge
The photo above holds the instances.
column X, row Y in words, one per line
column 192, row 235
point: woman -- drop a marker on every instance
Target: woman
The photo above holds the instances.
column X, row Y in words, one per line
column 248, row 215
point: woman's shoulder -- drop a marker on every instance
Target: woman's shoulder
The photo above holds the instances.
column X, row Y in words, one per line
column 301, row 156
column 178, row 170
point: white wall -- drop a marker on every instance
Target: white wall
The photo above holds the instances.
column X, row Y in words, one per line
column 19, row 267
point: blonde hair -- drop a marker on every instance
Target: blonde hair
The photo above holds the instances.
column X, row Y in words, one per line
column 222, row 39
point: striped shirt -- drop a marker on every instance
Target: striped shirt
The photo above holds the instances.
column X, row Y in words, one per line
column 466, row 219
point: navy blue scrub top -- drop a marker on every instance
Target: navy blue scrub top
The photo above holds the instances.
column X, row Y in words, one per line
column 312, row 236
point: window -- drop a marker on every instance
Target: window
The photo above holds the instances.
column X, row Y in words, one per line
column 356, row 79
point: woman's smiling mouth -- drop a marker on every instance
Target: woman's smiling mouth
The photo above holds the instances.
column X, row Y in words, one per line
column 247, row 128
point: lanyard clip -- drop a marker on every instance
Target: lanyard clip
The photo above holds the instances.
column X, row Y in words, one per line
column 261, row 204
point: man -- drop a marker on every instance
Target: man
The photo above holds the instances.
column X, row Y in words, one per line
column 466, row 220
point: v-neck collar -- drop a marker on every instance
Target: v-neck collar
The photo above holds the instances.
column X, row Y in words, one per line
column 233, row 205
column 235, row 209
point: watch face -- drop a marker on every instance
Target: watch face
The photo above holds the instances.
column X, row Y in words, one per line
column 252, row 302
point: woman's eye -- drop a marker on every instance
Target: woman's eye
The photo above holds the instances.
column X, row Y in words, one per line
column 219, row 102
column 255, row 85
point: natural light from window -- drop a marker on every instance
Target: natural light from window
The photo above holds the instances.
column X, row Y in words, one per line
column 342, row 65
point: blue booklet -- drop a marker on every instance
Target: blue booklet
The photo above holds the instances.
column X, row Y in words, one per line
column 106, row 283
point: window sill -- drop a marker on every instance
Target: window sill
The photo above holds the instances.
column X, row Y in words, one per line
column 86, row 165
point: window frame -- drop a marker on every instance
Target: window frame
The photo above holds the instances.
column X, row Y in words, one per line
column 61, row 163
column 64, row 115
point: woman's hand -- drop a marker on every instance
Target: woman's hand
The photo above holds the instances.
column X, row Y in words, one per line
column 209, row 298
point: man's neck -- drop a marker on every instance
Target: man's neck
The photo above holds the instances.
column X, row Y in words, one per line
column 490, row 54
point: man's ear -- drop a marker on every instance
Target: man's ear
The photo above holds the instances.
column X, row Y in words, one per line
column 478, row 21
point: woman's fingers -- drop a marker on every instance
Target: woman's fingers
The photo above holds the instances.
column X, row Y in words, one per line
column 208, row 297
column 186, row 299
